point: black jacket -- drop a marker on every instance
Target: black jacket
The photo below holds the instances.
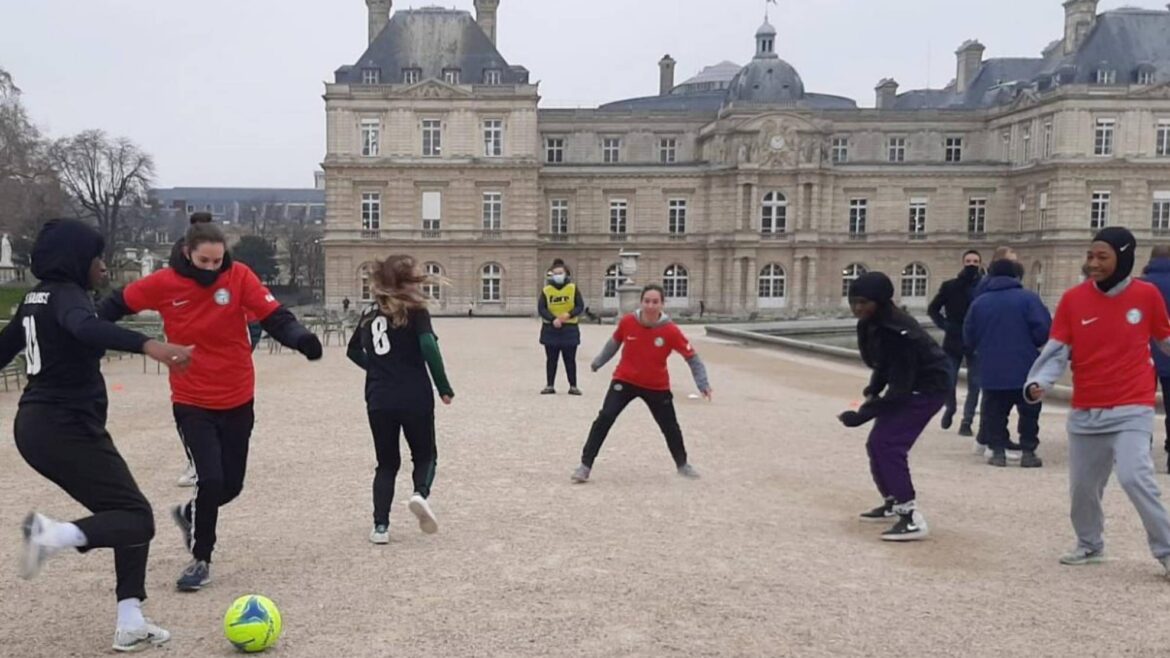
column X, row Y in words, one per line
column 904, row 359
column 949, row 307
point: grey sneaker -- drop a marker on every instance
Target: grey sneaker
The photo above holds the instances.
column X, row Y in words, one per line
column 36, row 551
column 688, row 471
column 188, row 478
column 380, row 534
column 997, row 459
column 1030, row 460
column 581, row 475
column 1082, row 556
column 137, row 639
column 194, row 576
column 183, row 524
column 548, row 390
column 573, row 390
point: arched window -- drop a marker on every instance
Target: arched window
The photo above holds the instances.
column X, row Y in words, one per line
column 366, row 294
column 849, row 274
column 774, row 213
column 613, row 279
column 675, row 282
column 914, row 281
column 432, row 289
column 492, row 279
column 772, row 282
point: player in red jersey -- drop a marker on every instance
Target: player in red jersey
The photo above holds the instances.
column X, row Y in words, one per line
column 1104, row 327
column 204, row 299
column 646, row 339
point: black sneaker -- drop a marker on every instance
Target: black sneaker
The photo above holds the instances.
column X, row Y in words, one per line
column 883, row 512
column 194, row 576
column 965, row 430
column 910, row 527
column 997, row 459
column 948, row 419
column 184, row 525
column 574, row 391
column 1030, row 460
column 548, row 390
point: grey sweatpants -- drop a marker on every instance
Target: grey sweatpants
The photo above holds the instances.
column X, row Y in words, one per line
column 1093, row 455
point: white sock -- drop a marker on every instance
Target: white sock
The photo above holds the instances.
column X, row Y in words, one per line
column 64, row 535
column 130, row 614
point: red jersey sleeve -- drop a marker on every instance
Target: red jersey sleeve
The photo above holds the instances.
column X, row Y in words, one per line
column 679, row 342
column 1159, row 323
column 1061, row 330
column 144, row 294
column 623, row 326
column 254, row 296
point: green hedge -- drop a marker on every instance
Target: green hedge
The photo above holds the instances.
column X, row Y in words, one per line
column 9, row 299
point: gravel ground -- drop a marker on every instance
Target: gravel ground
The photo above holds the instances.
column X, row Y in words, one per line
column 761, row 557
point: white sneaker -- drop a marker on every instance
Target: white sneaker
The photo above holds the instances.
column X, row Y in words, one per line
column 1014, row 455
column 426, row 518
column 982, row 450
column 380, row 534
column 35, row 530
column 137, row 639
column 187, row 479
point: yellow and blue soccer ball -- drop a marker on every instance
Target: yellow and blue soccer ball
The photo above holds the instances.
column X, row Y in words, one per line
column 252, row 623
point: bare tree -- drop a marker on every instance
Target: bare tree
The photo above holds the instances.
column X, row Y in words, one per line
column 103, row 176
column 303, row 243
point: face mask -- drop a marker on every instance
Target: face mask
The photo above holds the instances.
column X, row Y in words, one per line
column 205, row 278
column 558, row 279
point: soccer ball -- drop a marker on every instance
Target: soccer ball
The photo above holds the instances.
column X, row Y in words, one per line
column 252, row 623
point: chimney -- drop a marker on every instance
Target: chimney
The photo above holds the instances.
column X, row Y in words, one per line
column 485, row 15
column 1079, row 18
column 665, row 75
column 379, row 16
column 887, row 93
column 970, row 58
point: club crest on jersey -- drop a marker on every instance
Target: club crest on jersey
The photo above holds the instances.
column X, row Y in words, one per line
column 223, row 297
column 659, row 342
column 1133, row 316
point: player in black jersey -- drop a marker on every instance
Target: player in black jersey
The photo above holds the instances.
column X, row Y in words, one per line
column 61, row 423
column 395, row 344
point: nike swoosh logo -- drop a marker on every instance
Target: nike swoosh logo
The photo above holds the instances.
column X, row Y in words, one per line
column 1085, row 323
column 1124, row 247
column 181, row 302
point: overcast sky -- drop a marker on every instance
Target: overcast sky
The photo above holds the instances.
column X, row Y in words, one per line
column 228, row 92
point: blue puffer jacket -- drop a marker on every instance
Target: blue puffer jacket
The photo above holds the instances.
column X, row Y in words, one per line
column 1158, row 273
column 1006, row 326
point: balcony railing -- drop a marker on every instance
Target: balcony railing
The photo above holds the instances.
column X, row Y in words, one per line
column 618, row 237
column 371, row 234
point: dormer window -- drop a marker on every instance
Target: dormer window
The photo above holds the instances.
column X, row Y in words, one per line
column 411, row 76
column 491, row 76
column 1106, row 77
column 371, row 76
column 451, row 76
column 1145, row 76
column 767, row 46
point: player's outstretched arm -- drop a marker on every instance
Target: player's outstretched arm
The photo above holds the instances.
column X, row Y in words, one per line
column 11, row 340
column 434, row 358
column 113, row 308
column 282, row 325
column 354, row 351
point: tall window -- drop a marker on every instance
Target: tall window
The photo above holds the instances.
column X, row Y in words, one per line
column 1006, row 138
column 774, row 214
column 858, row 213
column 371, row 76
column 432, row 211
column 491, row 283
column 1161, row 222
column 849, row 274
column 977, row 216
column 897, row 149
column 677, row 216
column 839, row 150
column 432, row 135
column 613, row 279
column 675, row 282
column 1162, row 148
column 1103, row 139
column 953, row 149
column 618, row 209
column 1047, row 139
column 1099, row 210
column 559, row 216
column 451, row 76
column 491, row 76
column 1026, row 137
column 432, row 288
column 914, row 281
column 917, row 218
column 365, row 293
column 1042, row 208
column 371, row 211
column 371, row 134
column 1106, row 77
column 554, row 150
column 666, row 150
column 772, row 282
column 611, row 150
column 493, row 138
column 493, row 211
